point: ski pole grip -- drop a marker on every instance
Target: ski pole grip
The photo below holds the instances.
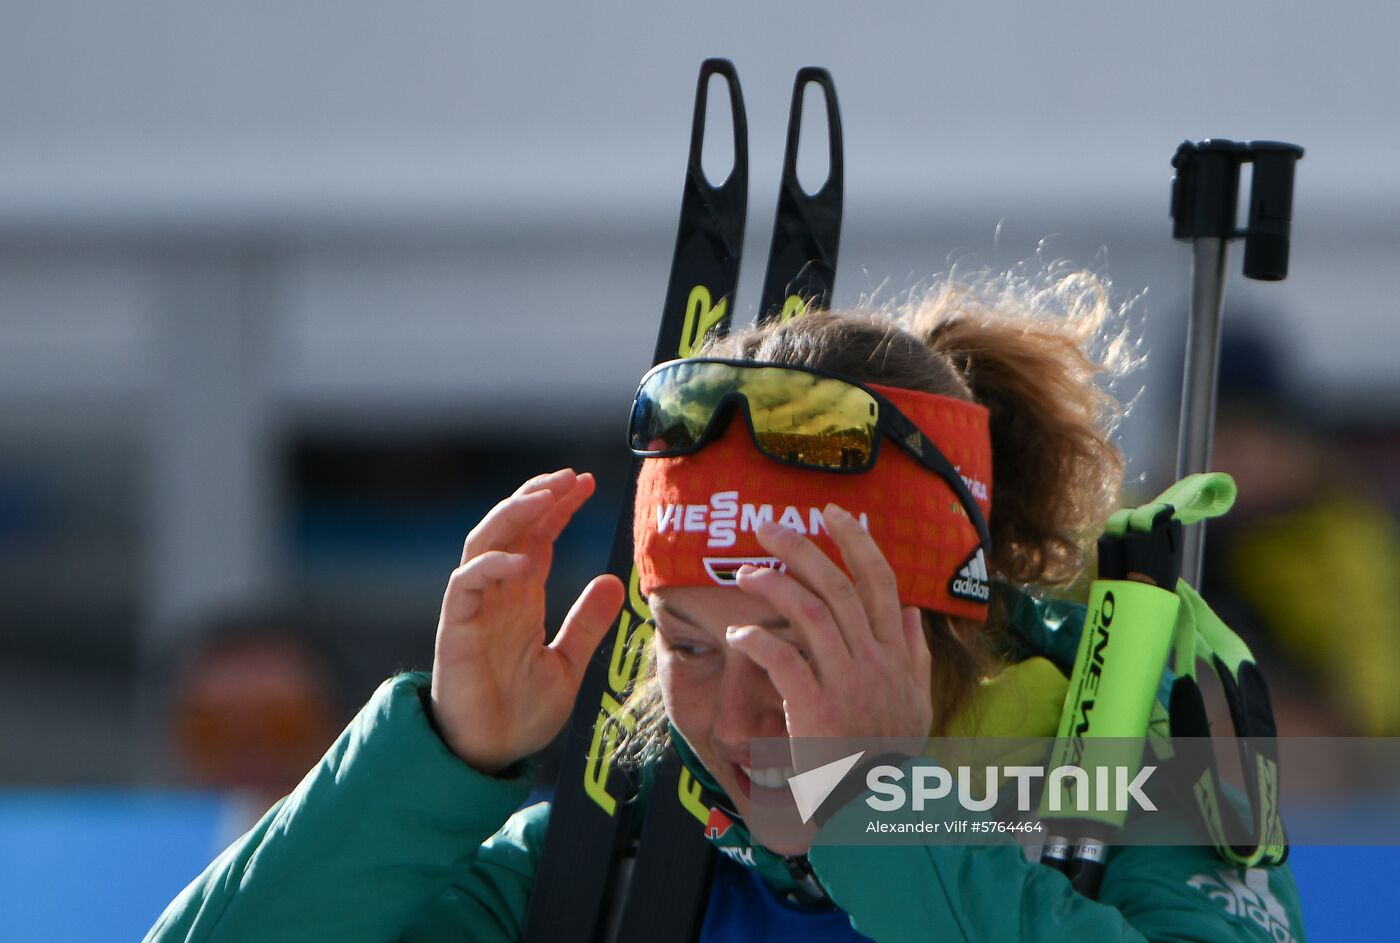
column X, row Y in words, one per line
column 1122, row 650
column 1153, row 556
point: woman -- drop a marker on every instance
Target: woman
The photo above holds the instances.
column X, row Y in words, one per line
column 871, row 604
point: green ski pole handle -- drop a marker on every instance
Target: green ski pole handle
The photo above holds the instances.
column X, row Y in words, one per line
column 1124, row 645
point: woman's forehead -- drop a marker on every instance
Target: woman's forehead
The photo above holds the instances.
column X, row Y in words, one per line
column 713, row 607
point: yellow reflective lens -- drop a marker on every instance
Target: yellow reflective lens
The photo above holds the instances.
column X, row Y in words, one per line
column 796, row 416
column 810, row 420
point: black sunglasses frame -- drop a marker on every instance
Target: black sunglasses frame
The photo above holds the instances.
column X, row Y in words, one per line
column 889, row 421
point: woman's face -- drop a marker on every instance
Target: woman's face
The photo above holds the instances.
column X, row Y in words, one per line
column 716, row 697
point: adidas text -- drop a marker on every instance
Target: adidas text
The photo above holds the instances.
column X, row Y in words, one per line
column 972, row 582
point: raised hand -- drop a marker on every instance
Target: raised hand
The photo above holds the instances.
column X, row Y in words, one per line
column 499, row 692
column 864, row 665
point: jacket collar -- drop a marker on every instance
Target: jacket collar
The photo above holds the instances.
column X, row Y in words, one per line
column 788, row 875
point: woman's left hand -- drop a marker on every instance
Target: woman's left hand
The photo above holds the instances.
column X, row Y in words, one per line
column 863, row 667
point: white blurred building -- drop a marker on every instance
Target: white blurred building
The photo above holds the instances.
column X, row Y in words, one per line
column 225, row 229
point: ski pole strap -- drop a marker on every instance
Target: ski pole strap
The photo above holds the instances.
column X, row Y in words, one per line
column 1192, row 499
column 1202, row 636
column 1199, row 635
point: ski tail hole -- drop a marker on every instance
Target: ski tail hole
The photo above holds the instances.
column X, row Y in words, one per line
column 814, row 143
column 717, row 150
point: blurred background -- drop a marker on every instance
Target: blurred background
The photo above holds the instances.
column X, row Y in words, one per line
column 291, row 293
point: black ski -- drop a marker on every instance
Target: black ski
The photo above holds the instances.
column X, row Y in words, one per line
column 590, row 818
column 807, row 227
column 657, row 888
column 670, row 880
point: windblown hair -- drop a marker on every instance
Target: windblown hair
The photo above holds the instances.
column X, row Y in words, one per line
column 1037, row 355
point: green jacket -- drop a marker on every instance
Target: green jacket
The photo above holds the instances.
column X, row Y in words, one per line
column 392, row 838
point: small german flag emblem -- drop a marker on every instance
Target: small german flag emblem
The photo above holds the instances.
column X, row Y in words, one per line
column 717, row 824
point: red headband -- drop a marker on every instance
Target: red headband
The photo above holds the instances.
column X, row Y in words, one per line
column 695, row 515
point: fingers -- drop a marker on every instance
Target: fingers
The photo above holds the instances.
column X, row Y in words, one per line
column 791, row 673
column 557, row 518
column 557, row 482
column 462, row 599
column 809, row 615
column 589, row 619
column 815, row 570
column 920, row 658
column 874, row 577
column 531, row 504
column 504, row 523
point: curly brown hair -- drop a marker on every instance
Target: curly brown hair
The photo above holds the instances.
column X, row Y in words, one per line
column 1033, row 354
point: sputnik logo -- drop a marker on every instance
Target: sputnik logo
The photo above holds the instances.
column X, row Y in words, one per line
column 812, row 788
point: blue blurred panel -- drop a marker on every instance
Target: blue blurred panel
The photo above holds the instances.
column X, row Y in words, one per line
column 82, row 866
column 1348, row 892
column 85, row 866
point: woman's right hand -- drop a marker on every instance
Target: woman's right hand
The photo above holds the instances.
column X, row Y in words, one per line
column 499, row 692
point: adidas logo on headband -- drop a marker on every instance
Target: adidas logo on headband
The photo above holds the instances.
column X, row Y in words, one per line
column 971, row 581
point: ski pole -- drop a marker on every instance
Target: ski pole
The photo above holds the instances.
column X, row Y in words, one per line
column 1205, row 193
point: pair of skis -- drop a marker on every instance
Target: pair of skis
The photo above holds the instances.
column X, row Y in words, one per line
column 603, row 876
